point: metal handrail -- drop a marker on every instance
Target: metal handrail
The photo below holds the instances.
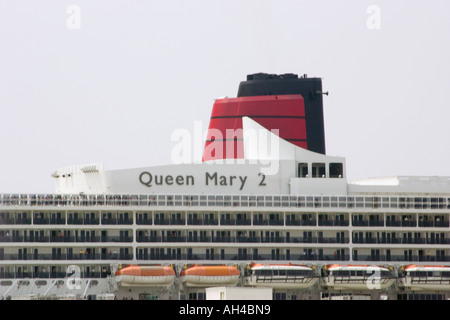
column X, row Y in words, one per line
column 287, row 201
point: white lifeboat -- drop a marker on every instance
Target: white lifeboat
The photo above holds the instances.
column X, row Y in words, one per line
column 281, row 276
column 205, row 276
column 153, row 276
column 358, row 277
column 417, row 277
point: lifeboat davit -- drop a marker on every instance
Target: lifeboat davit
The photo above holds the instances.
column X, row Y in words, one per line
column 205, row 276
column 148, row 276
column 358, row 277
column 281, row 276
column 417, row 278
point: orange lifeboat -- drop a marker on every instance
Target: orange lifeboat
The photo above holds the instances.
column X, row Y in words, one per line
column 153, row 276
column 204, row 276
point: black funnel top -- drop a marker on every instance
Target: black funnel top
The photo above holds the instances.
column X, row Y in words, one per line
column 262, row 84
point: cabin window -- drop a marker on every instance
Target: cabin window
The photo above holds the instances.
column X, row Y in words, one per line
column 336, row 170
column 318, row 170
column 303, row 170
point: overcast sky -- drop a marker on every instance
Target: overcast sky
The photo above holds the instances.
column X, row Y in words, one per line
column 109, row 81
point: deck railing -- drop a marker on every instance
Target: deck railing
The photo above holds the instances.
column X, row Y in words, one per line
column 272, row 201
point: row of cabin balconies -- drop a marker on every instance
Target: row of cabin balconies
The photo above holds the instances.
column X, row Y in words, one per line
column 242, row 256
column 173, row 254
column 401, row 258
column 186, row 236
column 63, row 221
column 258, row 219
column 224, row 236
column 56, row 239
column 66, row 256
column 241, row 239
column 170, row 256
column 217, row 254
column 218, row 239
column 234, row 239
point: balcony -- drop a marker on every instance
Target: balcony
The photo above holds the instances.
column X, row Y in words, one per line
column 409, row 223
column 400, row 258
column 116, row 221
column 63, row 239
column 242, row 239
column 240, row 256
column 64, row 256
column 401, row 241
column 334, row 223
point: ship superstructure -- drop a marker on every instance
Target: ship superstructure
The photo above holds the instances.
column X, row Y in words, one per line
column 274, row 212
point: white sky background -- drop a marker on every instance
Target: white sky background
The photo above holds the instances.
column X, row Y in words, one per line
column 114, row 90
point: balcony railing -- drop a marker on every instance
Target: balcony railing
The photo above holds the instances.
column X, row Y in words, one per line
column 272, row 201
column 62, row 239
column 400, row 258
column 242, row 256
column 66, row 256
column 242, row 239
column 402, row 241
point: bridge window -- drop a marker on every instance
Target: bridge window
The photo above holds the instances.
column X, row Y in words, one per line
column 302, row 170
column 336, row 170
column 318, row 170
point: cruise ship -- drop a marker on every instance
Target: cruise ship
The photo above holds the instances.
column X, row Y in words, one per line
column 265, row 208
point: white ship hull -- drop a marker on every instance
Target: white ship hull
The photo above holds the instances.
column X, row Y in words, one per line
column 439, row 286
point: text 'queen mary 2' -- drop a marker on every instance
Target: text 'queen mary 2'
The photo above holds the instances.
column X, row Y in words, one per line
column 267, row 208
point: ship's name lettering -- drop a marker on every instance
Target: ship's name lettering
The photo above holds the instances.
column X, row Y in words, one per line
column 224, row 180
column 211, row 179
column 148, row 179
